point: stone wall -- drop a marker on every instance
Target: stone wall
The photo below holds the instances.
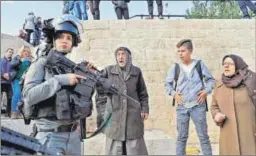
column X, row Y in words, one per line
column 152, row 43
column 8, row 41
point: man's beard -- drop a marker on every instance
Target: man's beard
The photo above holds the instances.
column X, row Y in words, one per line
column 122, row 67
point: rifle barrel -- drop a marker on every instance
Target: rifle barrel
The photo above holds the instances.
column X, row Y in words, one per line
column 130, row 98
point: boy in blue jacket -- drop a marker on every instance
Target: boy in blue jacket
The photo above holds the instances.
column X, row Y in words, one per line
column 193, row 82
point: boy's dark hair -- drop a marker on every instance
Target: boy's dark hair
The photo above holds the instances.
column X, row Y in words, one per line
column 185, row 42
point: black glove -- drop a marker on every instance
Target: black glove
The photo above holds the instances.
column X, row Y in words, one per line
column 108, row 86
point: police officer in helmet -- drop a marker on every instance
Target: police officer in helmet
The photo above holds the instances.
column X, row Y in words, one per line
column 41, row 86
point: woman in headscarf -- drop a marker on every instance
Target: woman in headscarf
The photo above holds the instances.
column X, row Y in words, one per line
column 233, row 109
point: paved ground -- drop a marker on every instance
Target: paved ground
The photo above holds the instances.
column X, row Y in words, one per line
column 17, row 125
column 158, row 143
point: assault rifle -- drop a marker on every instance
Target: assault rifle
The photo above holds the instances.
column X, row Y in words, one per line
column 60, row 64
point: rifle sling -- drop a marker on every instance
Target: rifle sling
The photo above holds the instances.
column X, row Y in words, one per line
column 102, row 125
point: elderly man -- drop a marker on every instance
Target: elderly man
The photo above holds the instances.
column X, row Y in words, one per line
column 125, row 129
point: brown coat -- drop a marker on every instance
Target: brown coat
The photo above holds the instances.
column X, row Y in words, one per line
column 237, row 135
column 126, row 122
column 250, row 82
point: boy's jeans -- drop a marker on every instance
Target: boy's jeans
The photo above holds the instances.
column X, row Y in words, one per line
column 198, row 115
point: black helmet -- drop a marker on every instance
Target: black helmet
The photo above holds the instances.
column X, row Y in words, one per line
column 70, row 24
column 70, row 28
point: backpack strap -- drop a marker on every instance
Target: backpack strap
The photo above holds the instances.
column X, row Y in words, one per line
column 199, row 70
column 176, row 76
column 200, row 73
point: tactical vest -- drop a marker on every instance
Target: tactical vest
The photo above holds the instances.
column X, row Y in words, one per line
column 62, row 106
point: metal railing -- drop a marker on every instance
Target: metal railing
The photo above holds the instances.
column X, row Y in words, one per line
column 164, row 16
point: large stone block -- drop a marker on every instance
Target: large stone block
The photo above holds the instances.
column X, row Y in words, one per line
column 97, row 24
column 137, row 34
column 117, row 24
column 96, row 34
column 100, row 44
column 117, row 34
column 137, row 24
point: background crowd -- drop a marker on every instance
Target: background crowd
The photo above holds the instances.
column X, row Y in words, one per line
column 12, row 70
column 32, row 27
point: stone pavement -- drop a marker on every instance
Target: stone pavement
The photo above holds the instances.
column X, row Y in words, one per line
column 16, row 125
column 158, row 142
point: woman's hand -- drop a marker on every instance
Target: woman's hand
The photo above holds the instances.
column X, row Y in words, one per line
column 219, row 118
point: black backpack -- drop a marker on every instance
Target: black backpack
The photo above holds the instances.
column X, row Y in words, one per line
column 177, row 73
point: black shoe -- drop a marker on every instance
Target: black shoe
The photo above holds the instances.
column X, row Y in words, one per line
column 150, row 17
column 247, row 17
column 3, row 111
